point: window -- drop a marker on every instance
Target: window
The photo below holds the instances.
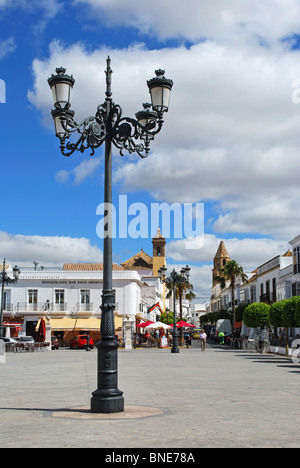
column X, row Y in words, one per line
column 273, row 298
column 85, row 296
column 59, row 299
column 6, row 300
column 296, row 289
column 242, row 296
column 296, row 256
column 253, row 294
column 85, row 300
column 32, row 298
column 59, row 296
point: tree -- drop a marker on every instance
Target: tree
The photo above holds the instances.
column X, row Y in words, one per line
column 230, row 272
column 239, row 312
column 167, row 318
column 182, row 289
column 256, row 315
column 204, row 319
column 276, row 313
column 297, row 310
column 290, row 316
column 290, row 312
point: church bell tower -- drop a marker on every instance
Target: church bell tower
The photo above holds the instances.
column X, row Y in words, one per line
column 220, row 260
column 159, row 255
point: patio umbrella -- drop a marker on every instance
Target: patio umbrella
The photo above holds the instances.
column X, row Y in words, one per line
column 181, row 323
column 144, row 324
column 41, row 336
column 158, row 325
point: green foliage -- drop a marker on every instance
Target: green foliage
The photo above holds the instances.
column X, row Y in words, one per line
column 239, row 312
column 297, row 310
column 204, row 319
column 276, row 313
column 212, row 317
column 291, row 312
column 168, row 319
column 256, row 315
column 231, row 270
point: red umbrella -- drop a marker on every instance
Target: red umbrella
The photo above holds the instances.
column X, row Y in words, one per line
column 42, row 331
column 144, row 324
column 184, row 324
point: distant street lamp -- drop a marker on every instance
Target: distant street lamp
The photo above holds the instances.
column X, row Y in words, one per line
column 127, row 134
column 174, row 279
column 5, row 279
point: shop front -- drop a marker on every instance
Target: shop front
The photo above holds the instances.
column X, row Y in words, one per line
column 67, row 328
column 12, row 326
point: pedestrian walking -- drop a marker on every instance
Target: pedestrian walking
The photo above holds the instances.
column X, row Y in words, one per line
column 203, row 337
column 222, row 337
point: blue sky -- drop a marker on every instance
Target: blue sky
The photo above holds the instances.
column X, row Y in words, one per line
column 231, row 137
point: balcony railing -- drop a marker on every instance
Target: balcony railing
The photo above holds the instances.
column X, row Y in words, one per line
column 79, row 307
column 41, row 307
column 44, row 307
column 26, row 307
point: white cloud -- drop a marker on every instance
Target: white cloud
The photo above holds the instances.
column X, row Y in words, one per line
column 231, row 135
column 220, row 20
column 249, row 252
column 48, row 9
column 81, row 172
column 47, row 250
column 200, row 278
column 7, row 47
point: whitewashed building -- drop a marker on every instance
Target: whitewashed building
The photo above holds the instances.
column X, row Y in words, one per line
column 69, row 298
column 295, row 278
column 274, row 280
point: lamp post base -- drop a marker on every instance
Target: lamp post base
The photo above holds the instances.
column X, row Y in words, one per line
column 107, row 398
column 175, row 349
column 107, row 405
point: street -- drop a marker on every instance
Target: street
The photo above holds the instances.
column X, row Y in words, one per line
column 217, row 398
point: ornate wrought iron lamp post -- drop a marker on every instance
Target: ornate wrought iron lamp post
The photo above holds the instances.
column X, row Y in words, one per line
column 5, row 279
column 127, row 134
column 174, row 279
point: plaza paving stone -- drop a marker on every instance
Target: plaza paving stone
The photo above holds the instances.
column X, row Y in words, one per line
column 218, row 398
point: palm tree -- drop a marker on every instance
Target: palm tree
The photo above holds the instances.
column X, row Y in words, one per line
column 182, row 289
column 230, row 272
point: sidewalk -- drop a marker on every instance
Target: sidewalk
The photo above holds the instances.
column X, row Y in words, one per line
column 218, row 398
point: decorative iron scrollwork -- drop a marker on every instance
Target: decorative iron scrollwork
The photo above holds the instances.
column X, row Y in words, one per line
column 127, row 134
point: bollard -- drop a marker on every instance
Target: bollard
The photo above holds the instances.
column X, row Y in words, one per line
column 2, row 352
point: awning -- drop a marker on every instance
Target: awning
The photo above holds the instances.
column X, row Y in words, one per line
column 12, row 324
column 80, row 324
column 118, row 322
column 63, row 324
column 87, row 324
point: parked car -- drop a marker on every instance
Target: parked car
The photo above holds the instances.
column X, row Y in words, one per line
column 213, row 333
column 80, row 341
column 9, row 340
column 54, row 342
column 196, row 333
column 26, row 340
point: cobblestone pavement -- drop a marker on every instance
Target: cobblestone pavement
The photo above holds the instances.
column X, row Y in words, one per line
column 217, row 398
